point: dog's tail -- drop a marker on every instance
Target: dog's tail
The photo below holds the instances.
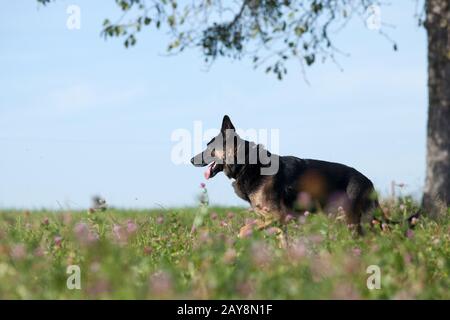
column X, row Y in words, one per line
column 412, row 220
column 384, row 220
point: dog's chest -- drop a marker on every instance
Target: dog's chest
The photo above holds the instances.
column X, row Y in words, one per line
column 260, row 198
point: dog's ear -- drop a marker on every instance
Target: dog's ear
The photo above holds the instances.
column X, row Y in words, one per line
column 227, row 124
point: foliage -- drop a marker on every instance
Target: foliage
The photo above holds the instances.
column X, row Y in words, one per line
column 269, row 31
column 125, row 254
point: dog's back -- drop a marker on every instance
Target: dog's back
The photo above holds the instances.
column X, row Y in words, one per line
column 306, row 184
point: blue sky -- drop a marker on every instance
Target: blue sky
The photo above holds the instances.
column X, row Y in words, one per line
column 82, row 116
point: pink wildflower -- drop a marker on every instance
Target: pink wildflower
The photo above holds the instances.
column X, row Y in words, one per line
column 84, row 235
column 288, row 218
column 57, row 240
column 410, row 233
column 92, row 237
column 246, row 232
column 131, row 227
column 119, row 233
column 160, row 220
column 272, row 230
column 81, row 230
column 407, row 258
column 18, row 252
column 356, row 251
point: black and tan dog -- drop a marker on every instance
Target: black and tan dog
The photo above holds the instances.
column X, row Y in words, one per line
column 279, row 186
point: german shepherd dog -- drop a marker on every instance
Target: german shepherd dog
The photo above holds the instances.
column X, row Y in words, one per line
column 292, row 187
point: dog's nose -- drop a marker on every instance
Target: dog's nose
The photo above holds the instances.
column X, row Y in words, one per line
column 192, row 161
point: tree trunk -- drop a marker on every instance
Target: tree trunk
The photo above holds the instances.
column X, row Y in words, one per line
column 437, row 183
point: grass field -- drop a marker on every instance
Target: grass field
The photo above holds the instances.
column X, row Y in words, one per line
column 124, row 254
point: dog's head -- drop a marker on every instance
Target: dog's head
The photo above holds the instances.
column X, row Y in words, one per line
column 229, row 153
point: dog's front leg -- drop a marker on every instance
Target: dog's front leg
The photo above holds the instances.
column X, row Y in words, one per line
column 270, row 217
column 257, row 224
column 266, row 219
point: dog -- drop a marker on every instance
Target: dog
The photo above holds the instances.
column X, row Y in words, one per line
column 292, row 187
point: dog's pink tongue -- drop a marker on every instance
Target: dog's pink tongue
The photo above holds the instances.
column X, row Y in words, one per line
column 207, row 172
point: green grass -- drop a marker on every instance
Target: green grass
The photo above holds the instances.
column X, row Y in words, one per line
column 163, row 259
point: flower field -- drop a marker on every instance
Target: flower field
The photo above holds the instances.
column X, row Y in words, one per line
column 150, row 254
